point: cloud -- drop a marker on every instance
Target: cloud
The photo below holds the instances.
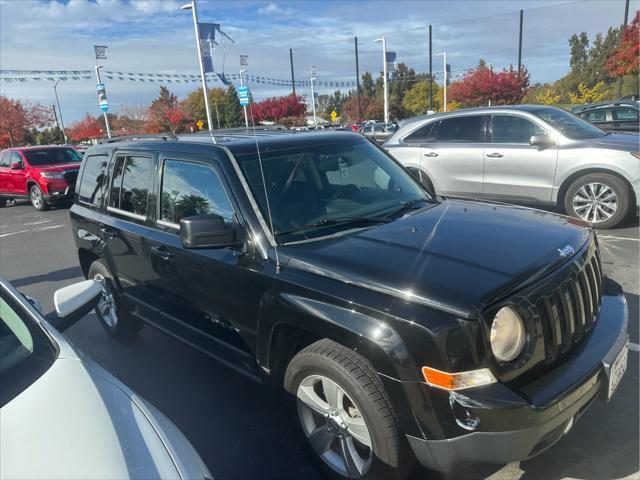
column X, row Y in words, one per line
column 275, row 10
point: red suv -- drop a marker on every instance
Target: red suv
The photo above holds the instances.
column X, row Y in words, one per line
column 45, row 175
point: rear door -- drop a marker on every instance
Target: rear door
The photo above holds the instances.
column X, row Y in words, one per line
column 452, row 155
column 201, row 293
column 625, row 119
column 514, row 170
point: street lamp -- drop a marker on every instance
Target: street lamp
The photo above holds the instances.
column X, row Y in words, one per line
column 384, row 72
column 192, row 6
column 313, row 97
column 444, row 54
column 55, row 90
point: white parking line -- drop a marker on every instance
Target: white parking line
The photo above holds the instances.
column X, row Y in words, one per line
column 619, row 238
column 48, row 227
column 634, row 346
column 13, row 233
column 39, row 222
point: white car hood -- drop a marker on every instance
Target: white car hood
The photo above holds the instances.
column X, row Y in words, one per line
column 74, row 423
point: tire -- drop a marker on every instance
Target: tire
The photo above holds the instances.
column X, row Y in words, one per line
column 37, row 198
column 358, row 415
column 111, row 310
column 3, row 202
column 584, row 200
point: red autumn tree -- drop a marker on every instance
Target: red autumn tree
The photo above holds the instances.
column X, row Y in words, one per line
column 370, row 109
column 279, row 107
column 175, row 118
column 88, row 128
column 624, row 60
column 13, row 122
column 482, row 85
column 39, row 116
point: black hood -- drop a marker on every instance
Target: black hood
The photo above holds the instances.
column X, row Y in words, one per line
column 458, row 256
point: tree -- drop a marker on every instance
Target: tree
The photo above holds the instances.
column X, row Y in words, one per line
column 416, row 100
column 160, row 110
column 482, row 85
column 542, row 95
column 367, row 85
column 279, row 107
column 89, row 128
column 131, row 119
column 194, row 106
column 578, row 45
column 589, row 95
column 624, row 60
column 232, row 114
column 13, row 122
column 175, row 118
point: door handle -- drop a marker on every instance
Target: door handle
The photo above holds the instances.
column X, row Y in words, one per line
column 495, row 155
column 431, row 154
column 108, row 233
column 162, row 252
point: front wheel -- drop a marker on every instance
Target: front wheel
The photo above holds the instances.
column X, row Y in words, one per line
column 111, row 311
column 37, row 198
column 3, row 202
column 343, row 415
column 601, row 199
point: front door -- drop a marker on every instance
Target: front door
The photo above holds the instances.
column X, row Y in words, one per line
column 201, row 293
column 514, row 170
column 625, row 119
column 452, row 155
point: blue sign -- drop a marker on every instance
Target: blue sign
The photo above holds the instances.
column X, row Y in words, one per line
column 243, row 95
column 104, row 106
column 100, row 86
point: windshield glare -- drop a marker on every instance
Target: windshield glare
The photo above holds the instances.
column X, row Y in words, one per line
column 568, row 124
column 327, row 182
column 51, row 156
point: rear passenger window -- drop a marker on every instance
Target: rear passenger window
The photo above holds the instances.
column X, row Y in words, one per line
column 625, row 114
column 460, row 130
column 132, row 177
column 93, row 180
column 4, row 158
column 596, row 116
column 190, row 189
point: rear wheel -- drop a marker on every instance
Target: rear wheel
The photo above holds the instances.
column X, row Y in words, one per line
column 111, row 311
column 601, row 199
column 3, row 202
column 343, row 415
column 37, row 198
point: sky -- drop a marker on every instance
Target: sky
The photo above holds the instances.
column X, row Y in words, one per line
column 156, row 36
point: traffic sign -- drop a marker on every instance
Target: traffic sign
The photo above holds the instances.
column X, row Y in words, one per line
column 243, row 95
column 100, row 86
column 200, row 124
column 334, row 115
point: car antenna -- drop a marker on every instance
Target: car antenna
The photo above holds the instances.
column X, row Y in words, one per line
column 266, row 193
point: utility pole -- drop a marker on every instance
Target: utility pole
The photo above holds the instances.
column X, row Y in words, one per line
column 192, row 6
column 313, row 97
column 384, row 73
column 357, row 82
column 444, row 54
column 61, row 126
column 293, row 78
column 430, row 72
column 626, row 21
column 55, row 117
column 520, row 44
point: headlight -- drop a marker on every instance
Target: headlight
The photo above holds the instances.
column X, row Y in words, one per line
column 507, row 334
column 52, row 175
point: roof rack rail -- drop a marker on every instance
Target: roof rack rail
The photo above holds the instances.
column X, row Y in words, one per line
column 149, row 136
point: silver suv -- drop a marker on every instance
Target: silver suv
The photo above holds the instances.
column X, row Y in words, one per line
column 526, row 154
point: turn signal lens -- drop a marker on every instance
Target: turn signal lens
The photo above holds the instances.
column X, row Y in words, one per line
column 459, row 380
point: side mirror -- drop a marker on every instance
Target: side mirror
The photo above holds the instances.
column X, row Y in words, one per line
column 17, row 166
column 541, row 141
column 207, row 231
column 74, row 302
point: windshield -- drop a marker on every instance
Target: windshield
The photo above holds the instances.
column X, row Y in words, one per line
column 568, row 124
column 51, row 156
column 322, row 184
column 25, row 350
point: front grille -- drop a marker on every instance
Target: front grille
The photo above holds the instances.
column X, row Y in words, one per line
column 71, row 176
column 571, row 309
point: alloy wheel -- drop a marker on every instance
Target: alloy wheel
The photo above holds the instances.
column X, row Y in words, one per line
column 107, row 304
column 595, row 202
column 334, row 426
column 36, row 198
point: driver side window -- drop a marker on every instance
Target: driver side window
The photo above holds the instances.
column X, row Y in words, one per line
column 514, row 129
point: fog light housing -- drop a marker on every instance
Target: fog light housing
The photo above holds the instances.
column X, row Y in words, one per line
column 508, row 335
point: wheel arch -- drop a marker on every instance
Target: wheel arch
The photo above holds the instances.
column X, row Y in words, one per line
column 86, row 258
column 566, row 183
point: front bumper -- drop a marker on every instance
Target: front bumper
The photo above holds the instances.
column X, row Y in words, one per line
column 508, row 425
column 58, row 191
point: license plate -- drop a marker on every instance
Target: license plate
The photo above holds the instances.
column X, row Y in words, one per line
column 617, row 369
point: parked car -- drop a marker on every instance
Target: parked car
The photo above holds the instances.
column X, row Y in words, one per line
column 614, row 117
column 44, row 175
column 399, row 326
column 63, row 416
column 526, row 154
column 379, row 132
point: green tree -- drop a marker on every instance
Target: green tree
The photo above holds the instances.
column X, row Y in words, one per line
column 194, row 106
column 578, row 45
column 367, row 86
column 416, row 100
column 231, row 115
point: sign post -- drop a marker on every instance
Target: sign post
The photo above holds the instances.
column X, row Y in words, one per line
column 244, row 63
column 101, row 54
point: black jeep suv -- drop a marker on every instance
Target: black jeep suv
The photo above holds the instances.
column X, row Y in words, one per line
column 400, row 325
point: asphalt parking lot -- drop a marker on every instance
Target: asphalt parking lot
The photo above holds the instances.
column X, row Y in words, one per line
column 236, row 425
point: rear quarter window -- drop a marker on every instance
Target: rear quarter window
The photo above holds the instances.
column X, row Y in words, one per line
column 93, row 180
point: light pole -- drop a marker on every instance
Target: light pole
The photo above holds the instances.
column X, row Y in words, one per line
column 192, row 6
column 55, row 90
column 444, row 54
column 313, row 97
column 384, row 73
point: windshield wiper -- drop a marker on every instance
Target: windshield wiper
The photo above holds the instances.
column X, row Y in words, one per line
column 408, row 205
column 335, row 222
